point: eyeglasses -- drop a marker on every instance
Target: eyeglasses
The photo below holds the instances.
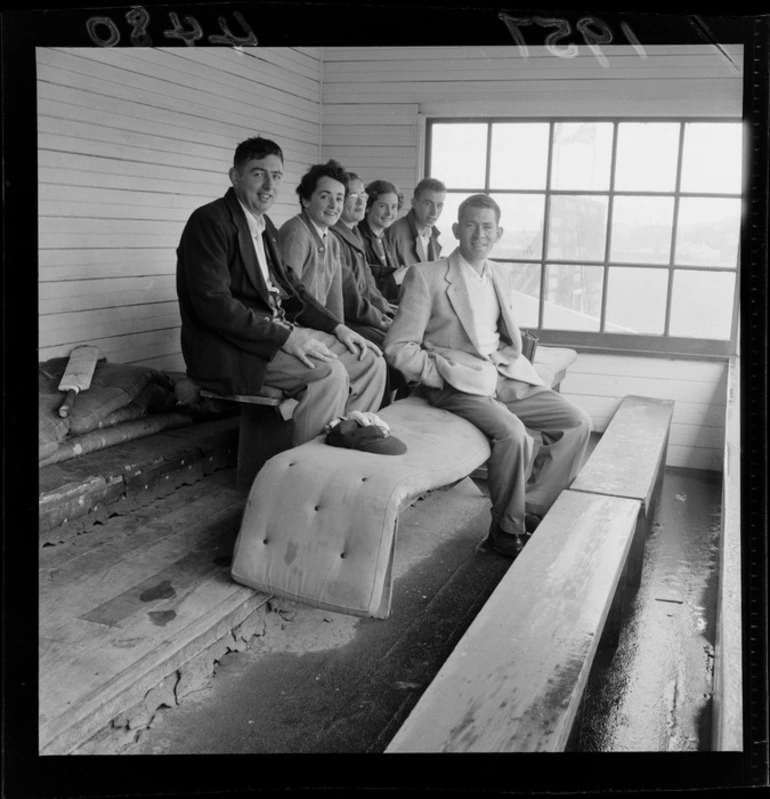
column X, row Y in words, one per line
column 356, row 197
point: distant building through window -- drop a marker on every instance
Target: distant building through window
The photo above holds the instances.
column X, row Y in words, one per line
column 621, row 233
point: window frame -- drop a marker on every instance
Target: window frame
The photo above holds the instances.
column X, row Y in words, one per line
column 663, row 345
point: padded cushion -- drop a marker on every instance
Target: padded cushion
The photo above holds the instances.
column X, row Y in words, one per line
column 549, row 361
column 320, row 522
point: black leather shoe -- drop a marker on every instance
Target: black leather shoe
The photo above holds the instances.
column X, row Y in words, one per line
column 531, row 522
column 504, row 543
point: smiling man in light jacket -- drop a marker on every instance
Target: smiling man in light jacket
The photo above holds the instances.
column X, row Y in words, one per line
column 455, row 332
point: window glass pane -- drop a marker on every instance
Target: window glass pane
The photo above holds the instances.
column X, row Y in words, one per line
column 702, row 304
column 519, row 156
column 708, row 231
column 582, row 152
column 525, row 279
column 573, row 299
column 448, row 217
column 713, row 157
column 458, row 154
column 577, row 227
column 641, row 229
column 521, row 218
column 636, row 300
column 647, row 156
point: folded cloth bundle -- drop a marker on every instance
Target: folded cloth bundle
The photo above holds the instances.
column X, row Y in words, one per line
column 366, row 432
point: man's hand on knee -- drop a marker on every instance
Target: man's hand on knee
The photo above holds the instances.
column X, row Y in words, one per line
column 304, row 346
column 355, row 342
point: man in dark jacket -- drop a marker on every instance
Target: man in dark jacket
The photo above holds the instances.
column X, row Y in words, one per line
column 247, row 321
column 413, row 238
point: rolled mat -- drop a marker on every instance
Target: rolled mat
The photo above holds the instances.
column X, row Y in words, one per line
column 120, row 433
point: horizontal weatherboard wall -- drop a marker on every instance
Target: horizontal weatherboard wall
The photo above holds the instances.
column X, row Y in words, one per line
column 130, row 142
column 598, row 383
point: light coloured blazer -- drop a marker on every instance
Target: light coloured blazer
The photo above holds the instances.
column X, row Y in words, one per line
column 432, row 338
column 316, row 264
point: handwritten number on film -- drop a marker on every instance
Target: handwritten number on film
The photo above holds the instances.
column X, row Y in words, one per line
column 595, row 32
column 105, row 33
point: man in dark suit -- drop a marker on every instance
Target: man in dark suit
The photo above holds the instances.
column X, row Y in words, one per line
column 456, row 333
column 413, row 238
column 247, row 321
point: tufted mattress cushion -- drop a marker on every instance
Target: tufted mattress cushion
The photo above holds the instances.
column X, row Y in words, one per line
column 320, row 522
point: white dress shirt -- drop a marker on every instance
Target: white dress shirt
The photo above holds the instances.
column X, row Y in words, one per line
column 485, row 306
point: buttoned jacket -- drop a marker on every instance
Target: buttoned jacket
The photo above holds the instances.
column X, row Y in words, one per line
column 315, row 261
column 353, row 254
column 382, row 267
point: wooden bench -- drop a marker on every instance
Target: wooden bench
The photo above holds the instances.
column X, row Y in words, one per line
column 515, row 681
column 628, row 462
column 265, row 429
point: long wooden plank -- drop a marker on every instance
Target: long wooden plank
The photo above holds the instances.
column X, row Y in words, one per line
column 727, row 728
column 333, row 54
column 515, row 680
column 684, row 389
column 513, row 70
column 94, row 329
column 119, row 285
column 640, row 366
column 630, row 454
column 412, row 92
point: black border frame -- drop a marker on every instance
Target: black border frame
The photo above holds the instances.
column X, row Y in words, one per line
column 326, row 24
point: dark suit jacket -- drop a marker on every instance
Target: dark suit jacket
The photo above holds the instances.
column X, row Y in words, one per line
column 381, row 268
column 229, row 333
column 402, row 238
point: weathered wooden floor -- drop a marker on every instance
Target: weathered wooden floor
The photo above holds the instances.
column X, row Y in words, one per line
column 133, row 609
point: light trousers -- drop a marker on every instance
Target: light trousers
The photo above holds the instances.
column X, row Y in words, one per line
column 330, row 389
column 538, row 441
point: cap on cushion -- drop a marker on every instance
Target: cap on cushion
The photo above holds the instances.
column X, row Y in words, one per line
column 371, row 438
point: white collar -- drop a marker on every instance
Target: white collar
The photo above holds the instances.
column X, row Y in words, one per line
column 321, row 231
column 256, row 224
column 485, row 274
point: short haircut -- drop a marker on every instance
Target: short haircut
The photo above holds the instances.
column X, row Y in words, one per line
column 428, row 184
column 352, row 176
column 255, row 148
column 331, row 169
column 478, row 201
column 376, row 188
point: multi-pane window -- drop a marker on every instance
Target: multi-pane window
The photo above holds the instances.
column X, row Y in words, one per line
column 617, row 231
